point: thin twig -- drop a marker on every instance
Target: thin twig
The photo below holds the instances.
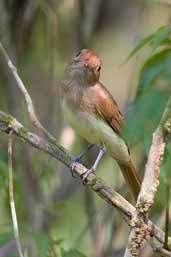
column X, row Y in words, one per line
column 140, row 231
column 30, row 107
column 11, row 195
column 96, row 184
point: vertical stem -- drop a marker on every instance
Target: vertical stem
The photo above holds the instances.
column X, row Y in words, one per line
column 11, row 195
column 167, row 215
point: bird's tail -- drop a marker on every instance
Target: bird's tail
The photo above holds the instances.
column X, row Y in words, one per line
column 132, row 178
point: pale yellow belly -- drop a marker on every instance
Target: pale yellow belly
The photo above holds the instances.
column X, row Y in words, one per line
column 84, row 124
column 97, row 131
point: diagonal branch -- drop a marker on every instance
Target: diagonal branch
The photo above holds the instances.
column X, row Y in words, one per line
column 30, row 107
column 8, row 123
column 140, row 231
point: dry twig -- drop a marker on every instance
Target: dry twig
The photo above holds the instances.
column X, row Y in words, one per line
column 140, row 230
column 30, row 107
column 11, row 195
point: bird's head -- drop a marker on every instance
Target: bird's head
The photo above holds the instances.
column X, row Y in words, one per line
column 87, row 64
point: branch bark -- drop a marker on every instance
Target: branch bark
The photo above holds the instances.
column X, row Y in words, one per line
column 140, row 231
column 8, row 123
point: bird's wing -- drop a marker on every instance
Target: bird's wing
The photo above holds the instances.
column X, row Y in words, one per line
column 97, row 99
column 108, row 109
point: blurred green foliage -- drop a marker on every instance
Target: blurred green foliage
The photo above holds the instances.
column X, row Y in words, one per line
column 71, row 253
column 153, row 90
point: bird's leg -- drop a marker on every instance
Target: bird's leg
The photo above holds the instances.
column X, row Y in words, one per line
column 79, row 157
column 94, row 167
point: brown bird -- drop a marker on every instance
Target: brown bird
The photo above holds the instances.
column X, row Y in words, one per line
column 94, row 114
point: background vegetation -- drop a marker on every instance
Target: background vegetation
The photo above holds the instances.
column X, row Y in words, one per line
column 57, row 215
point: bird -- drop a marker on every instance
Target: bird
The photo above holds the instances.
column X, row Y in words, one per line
column 94, row 114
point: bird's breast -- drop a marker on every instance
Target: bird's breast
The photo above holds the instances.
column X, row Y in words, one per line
column 96, row 131
column 84, row 123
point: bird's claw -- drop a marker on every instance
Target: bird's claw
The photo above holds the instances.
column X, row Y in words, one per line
column 73, row 166
column 85, row 175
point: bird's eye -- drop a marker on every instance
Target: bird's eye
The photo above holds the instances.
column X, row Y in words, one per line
column 98, row 68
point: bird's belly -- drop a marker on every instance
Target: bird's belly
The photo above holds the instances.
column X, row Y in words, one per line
column 84, row 124
column 96, row 131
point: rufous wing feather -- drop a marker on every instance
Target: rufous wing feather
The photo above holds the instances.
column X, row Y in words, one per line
column 108, row 109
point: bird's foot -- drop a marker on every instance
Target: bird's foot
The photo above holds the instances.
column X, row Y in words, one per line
column 78, row 159
column 73, row 166
column 85, row 175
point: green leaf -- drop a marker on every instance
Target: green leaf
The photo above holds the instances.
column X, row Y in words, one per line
column 43, row 242
column 165, row 167
column 140, row 45
column 3, row 174
column 4, row 238
column 143, row 116
column 166, row 42
column 157, row 66
column 165, row 176
column 3, row 168
column 71, row 253
column 160, row 36
column 156, row 39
